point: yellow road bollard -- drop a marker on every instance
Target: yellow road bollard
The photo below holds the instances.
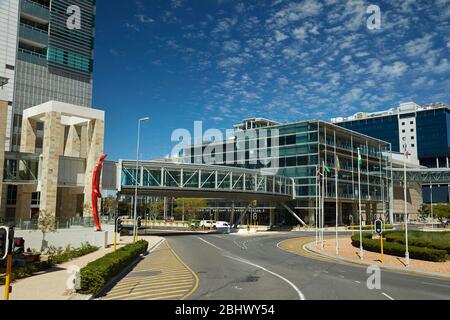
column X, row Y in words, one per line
column 8, row 276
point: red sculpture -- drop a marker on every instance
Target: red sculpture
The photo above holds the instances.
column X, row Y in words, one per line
column 96, row 193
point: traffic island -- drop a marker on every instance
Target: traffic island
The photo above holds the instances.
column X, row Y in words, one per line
column 349, row 253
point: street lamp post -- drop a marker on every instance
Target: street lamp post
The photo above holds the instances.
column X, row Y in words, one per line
column 136, row 180
column 407, row 154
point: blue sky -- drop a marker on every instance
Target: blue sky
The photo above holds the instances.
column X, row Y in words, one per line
column 220, row 61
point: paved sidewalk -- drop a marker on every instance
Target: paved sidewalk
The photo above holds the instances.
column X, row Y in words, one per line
column 51, row 285
column 351, row 254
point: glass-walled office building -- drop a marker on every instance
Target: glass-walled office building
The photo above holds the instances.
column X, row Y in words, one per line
column 425, row 130
column 297, row 150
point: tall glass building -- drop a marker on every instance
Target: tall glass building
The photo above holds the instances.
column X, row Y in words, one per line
column 424, row 130
column 297, row 150
column 47, row 58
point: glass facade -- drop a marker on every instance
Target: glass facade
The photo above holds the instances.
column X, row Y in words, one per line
column 302, row 148
column 433, row 140
column 53, row 62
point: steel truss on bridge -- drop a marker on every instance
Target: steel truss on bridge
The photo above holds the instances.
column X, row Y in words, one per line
column 207, row 181
column 423, row 176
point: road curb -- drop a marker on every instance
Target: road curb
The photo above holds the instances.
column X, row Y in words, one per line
column 124, row 271
column 307, row 248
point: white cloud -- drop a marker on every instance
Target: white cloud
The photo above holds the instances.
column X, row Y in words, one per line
column 231, row 46
column 279, row 36
column 300, row 33
column 395, row 70
column 144, row 19
column 231, row 62
column 419, row 46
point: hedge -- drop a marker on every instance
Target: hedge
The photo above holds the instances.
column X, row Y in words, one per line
column 397, row 249
column 434, row 240
column 56, row 256
column 96, row 274
column 366, row 228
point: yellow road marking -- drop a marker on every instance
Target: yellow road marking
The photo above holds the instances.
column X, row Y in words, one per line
column 173, row 278
column 150, row 279
column 150, row 286
column 143, row 291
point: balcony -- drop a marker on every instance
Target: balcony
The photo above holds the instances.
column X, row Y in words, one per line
column 34, row 11
column 32, row 57
column 33, row 36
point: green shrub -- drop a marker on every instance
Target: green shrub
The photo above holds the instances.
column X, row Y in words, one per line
column 97, row 273
column 433, row 240
column 366, row 228
column 71, row 253
column 27, row 271
column 397, row 249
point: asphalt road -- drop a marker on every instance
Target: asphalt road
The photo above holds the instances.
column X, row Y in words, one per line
column 232, row 267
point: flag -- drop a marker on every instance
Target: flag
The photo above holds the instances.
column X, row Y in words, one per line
column 338, row 164
column 326, row 169
column 360, row 160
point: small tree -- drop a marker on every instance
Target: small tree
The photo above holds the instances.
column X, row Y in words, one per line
column 189, row 207
column 46, row 224
column 109, row 205
column 442, row 212
column 155, row 208
column 424, row 211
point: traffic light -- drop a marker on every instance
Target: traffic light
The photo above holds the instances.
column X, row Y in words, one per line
column 139, row 222
column 119, row 225
column 379, row 227
column 19, row 246
column 4, row 242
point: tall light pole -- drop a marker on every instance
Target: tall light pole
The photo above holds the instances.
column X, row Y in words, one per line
column 407, row 154
column 146, row 119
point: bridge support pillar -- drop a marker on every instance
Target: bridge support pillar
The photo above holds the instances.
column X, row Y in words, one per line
column 232, row 213
column 271, row 218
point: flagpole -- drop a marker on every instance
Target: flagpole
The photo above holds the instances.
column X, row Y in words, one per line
column 323, row 205
column 337, row 207
column 361, row 251
column 317, row 204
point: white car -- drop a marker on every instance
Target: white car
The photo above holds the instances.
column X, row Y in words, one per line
column 222, row 226
column 207, row 224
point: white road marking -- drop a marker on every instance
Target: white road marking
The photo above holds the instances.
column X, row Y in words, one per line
column 436, row 284
column 297, row 290
column 387, row 296
column 359, row 282
column 300, row 294
column 207, row 242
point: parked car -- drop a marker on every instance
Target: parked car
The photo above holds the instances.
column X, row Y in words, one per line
column 222, row 226
column 207, row 224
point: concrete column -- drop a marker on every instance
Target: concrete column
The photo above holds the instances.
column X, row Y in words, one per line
column 271, row 217
column 95, row 150
column 28, row 136
column 73, row 143
column 232, row 213
column 84, row 146
column 3, row 126
column 53, row 133
column 340, row 215
column 23, row 207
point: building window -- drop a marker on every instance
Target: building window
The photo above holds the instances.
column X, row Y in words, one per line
column 412, row 122
column 412, row 130
column 413, row 146
column 11, row 197
column 403, row 123
column 403, row 131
